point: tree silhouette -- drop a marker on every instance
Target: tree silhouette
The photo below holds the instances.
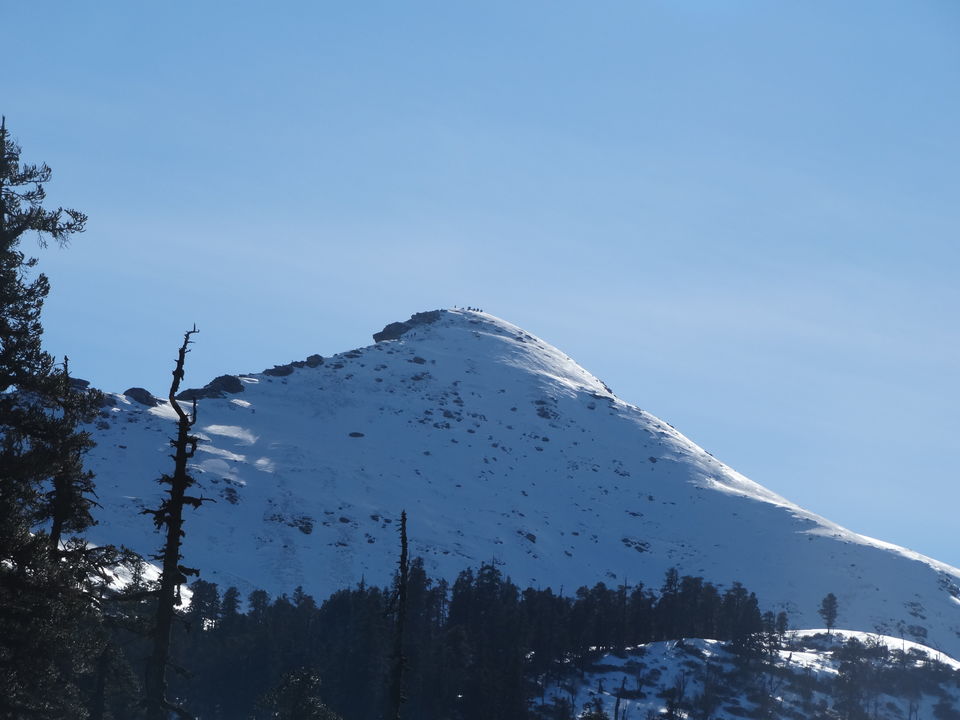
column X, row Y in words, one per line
column 48, row 629
column 399, row 661
column 170, row 516
column 828, row 611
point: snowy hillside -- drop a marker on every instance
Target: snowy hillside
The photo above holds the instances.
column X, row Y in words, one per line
column 809, row 675
column 499, row 447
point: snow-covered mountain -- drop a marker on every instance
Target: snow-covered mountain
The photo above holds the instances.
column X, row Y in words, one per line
column 501, row 448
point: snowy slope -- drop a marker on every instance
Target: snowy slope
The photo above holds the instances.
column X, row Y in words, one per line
column 801, row 679
column 500, row 448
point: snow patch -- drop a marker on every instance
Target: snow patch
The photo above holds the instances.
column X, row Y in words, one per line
column 232, row 431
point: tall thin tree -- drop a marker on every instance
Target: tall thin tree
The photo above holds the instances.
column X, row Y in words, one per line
column 170, row 516
column 399, row 661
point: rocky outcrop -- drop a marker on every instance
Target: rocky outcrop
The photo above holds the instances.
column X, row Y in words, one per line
column 216, row 388
column 396, row 329
column 284, row 370
column 142, row 396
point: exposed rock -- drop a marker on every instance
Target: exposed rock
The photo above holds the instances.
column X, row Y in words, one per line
column 216, row 388
column 284, row 370
column 396, row 329
column 142, row 396
column 391, row 332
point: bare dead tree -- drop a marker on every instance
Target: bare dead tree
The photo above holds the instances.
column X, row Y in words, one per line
column 170, row 516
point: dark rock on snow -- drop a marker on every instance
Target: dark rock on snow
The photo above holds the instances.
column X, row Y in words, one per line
column 216, row 388
column 396, row 329
column 142, row 396
column 283, row 370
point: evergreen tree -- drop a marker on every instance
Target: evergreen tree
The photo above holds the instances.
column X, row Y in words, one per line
column 398, row 660
column 67, row 505
column 204, row 609
column 425, row 666
column 259, row 601
column 49, row 636
column 742, row 620
column 669, row 616
column 297, row 697
column 781, row 624
column 230, row 605
column 29, row 384
column 828, row 611
column 594, row 710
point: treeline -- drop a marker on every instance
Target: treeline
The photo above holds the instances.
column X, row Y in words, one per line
column 477, row 649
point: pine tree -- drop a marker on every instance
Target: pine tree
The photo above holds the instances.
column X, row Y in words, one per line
column 398, row 661
column 828, row 611
column 29, row 383
column 49, row 636
column 297, row 697
column 594, row 710
column 67, row 505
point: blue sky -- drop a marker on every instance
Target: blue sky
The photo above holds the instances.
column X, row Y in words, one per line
column 741, row 215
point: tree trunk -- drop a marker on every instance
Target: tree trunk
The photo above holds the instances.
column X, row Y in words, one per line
column 170, row 514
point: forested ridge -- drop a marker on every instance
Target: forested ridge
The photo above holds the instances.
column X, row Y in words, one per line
column 479, row 648
column 482, row 647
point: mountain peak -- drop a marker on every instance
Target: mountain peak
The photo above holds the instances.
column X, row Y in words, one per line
column 498, row 445
column 481, row 339
column 463, row 318
column 395, row 330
